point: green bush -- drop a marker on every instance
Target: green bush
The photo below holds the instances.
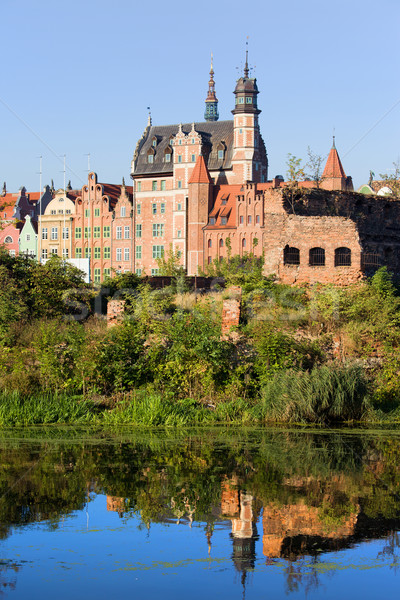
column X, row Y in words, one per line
column 323, row 395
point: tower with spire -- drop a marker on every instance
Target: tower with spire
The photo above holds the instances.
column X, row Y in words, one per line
column 334, row 177
column 211, row 111
column 249, row 161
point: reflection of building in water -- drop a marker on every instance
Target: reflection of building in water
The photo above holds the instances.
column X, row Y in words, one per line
column 303, row 524
column 116, row 504
column 237, row 506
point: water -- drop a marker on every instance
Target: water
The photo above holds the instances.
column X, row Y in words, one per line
column 245, row 513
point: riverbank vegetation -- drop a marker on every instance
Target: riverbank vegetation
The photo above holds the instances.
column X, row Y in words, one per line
column 317, row 354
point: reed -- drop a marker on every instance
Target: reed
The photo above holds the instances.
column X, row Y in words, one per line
column 323, row 395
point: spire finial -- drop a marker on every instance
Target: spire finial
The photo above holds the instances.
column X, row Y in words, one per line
column 211, row 112
column 149, row 119
column 212, row 65
column 246, row 66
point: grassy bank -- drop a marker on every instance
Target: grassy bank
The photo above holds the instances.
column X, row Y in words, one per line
column 315, row 355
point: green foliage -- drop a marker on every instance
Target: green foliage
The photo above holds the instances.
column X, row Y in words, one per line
column 382, row 283
column 245, row 271
column 295, row 170
column 323, row 395
column 170, row 264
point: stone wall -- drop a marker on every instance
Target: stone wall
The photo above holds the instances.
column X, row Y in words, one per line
column 115, row 311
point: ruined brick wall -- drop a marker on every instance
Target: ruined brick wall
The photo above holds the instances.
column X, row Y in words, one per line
column 231, row 310
column 115, row 310
column 306, row 233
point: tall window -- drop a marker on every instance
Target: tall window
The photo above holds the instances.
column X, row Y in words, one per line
column 139, row 186
column 163, row 184
column 96, row 212
column 138, row 252
column 193, row 158
column 154, row 209
column 179, row 185
column 139, row 209
column 123, row 211
column 65, row 233
column 119, row 232
column 97, row 275
column 180, row 158
column 162, row 208
column 107, row 272
column 158, row 251
column 138, row 230
column 158, row 229
column 44, row 253
column 97, row 252
column 107, row 252
column 88, row 252
column 87, row 233
column 87, row 212
column 96, row 232
column 44, row 233
column 106, row 231
column 65, row 253
column 154, row 186
column 127, row 232
column 54, row 233
column 126, row 253
column 78, row 252
column 119, row 254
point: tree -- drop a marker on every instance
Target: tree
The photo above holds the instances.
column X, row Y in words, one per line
column 392, row 180
column 315, row 167
column 295, row 170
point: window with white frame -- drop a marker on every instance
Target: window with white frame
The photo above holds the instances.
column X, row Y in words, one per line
column 123, row 211
column 44, row 233
column 119, row 254
column 44, row 253
column 158, row 229
column 65, row 233
column 65, row 253
column 119, row 232
column 54, row 233
column 126, row 253
column 127, row 232
column 158, row 251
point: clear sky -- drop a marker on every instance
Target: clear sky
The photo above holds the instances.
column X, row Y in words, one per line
column 77, row 77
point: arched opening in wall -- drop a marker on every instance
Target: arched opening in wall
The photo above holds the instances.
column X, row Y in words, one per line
column 221, row 243
column 316, row 257
column 388, row 254
column 209, row 244
column 8, row 240
column 370, row 260
column 243, row 245
column 342, row 257
column 291, row 255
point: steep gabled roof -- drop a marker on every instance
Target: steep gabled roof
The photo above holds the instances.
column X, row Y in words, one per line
column 200, row 172
column 212, row 133
column 333, row 167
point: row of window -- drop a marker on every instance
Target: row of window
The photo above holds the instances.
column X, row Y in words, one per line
column 106, row 232
column 54, row 251
column 316, row 257
column 60, row 211
column 241, row 100
column 54, row 233
column 221, row 243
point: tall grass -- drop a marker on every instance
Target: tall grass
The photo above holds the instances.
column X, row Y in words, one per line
column 324, row 395
column 16, row 409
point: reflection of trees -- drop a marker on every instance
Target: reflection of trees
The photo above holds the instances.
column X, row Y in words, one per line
column 341, row 488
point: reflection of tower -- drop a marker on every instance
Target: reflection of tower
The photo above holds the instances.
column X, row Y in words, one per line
column 116, row 504
column 237, row 505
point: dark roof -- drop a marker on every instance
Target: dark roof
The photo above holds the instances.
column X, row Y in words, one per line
column 212, row 133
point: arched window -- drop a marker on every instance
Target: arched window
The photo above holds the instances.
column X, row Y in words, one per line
column 221, row 243
column 291, row 256
column 8, row 240
column 209, row 243
column 244, row 243
column 317, row 257
column 167, row 154
column 342, row 257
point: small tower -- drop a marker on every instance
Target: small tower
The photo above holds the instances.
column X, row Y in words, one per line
column 249, row 159
column 334, row 177
column 211, row 112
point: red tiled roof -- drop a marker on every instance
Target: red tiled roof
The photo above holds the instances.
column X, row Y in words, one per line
column 7, row 205
column 200, row 172
column 226, row 193
column 34, row 196
column 333, row 167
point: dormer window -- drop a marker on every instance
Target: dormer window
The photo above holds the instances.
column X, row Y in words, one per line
column 221, row 151
column 220, row 154
column 168, row 154
column 154, row 142
column 150, row 155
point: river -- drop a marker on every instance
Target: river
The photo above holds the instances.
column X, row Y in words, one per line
column 245, row 513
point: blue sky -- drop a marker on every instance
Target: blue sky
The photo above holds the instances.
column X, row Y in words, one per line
column 77, row 78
